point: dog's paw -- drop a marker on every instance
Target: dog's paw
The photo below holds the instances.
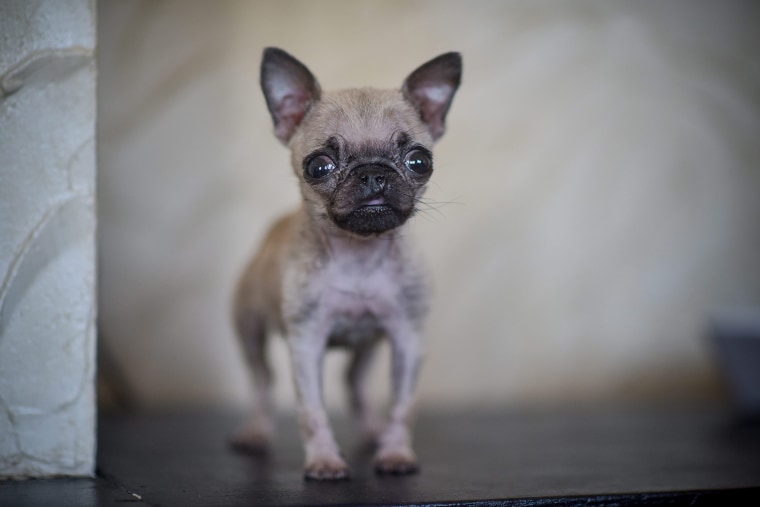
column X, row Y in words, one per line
column 326, row 469
column 396, row 462
column 251, row 440
column 369, row 439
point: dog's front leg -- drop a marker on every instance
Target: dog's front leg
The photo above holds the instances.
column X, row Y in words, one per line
column 323, row 459
column 395, row 454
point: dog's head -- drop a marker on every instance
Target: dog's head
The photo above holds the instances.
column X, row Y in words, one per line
column 362, row 155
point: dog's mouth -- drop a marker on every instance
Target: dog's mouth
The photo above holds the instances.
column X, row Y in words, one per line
column 373, row 210
column 375, row 207
column 377, row 201
column 377, row 204
column 373, row 217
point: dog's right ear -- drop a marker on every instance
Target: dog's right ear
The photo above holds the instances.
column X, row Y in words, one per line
column 431, row 88
column 290, row 89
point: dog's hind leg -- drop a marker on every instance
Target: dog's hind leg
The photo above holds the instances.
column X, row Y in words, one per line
column 357, row 375
column 256, row 433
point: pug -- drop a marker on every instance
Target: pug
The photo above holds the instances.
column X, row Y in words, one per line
column 338, row 271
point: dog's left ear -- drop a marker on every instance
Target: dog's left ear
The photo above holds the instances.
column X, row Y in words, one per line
column 431, row 89
column 290, row 90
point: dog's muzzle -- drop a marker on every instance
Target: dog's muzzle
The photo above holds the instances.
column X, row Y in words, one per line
column 377, row 195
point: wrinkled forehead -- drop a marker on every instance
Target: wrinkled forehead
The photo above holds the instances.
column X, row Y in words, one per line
column 364, row 117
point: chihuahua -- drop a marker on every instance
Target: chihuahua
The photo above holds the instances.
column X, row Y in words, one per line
column 338, row 271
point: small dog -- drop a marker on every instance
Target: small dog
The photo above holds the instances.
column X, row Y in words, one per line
column 338, row 271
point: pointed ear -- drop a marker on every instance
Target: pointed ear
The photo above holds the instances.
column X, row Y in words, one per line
column 431, row 88
column 290, row 89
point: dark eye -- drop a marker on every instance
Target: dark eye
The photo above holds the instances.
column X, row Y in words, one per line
column 418, row 162
column 319, row 167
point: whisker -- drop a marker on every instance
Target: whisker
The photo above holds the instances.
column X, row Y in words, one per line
column 430, row 209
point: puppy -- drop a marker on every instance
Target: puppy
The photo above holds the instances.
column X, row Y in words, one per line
column 338, row 270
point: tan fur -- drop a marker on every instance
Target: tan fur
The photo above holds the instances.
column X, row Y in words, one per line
column 338, row 271
column 260, row 286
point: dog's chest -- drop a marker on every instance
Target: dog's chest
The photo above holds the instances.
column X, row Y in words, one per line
column 354, row 288
column 358, row 297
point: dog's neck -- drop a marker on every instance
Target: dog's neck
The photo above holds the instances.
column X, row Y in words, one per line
column 363, row 251
column 337, row 243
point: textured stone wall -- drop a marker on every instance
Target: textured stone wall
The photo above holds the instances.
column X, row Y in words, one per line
column 47, row 237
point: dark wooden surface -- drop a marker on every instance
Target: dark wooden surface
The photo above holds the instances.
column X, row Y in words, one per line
column 557, row 457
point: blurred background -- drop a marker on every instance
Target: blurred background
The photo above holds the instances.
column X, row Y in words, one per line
column 596, row 199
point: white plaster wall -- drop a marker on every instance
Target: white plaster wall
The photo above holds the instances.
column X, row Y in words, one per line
column 596, row 195
column 47, row 237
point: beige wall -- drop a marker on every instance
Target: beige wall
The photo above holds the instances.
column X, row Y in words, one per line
column 595, row 197
column 47, row 238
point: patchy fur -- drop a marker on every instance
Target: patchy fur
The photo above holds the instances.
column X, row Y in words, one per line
column 338, row 271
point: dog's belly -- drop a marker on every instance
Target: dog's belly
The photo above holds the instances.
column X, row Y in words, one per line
column 352, row 330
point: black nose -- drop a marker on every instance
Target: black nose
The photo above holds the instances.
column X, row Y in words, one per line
column 372, row 178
